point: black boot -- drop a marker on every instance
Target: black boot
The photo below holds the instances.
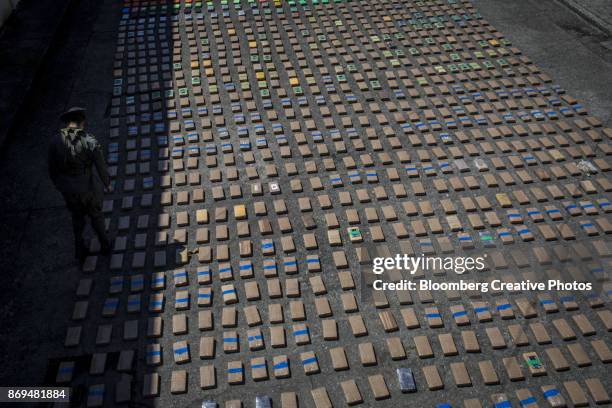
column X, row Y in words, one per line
column 105, row 247
column 81, row 252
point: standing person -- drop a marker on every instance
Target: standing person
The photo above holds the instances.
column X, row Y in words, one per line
column 73, row 154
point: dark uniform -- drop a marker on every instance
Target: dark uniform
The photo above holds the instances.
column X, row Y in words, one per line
column 72, row 155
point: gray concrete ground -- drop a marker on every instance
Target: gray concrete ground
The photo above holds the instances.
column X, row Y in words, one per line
column 599, row 12
column 39, row 275
column 25, row 40
column 562, row 44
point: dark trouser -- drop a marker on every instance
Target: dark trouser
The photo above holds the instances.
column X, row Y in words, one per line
column 80, row 206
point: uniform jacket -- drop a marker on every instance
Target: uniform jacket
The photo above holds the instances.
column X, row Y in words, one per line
column 72, row 155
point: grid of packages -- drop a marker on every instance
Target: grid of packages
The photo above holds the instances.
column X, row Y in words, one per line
column 264, row 153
